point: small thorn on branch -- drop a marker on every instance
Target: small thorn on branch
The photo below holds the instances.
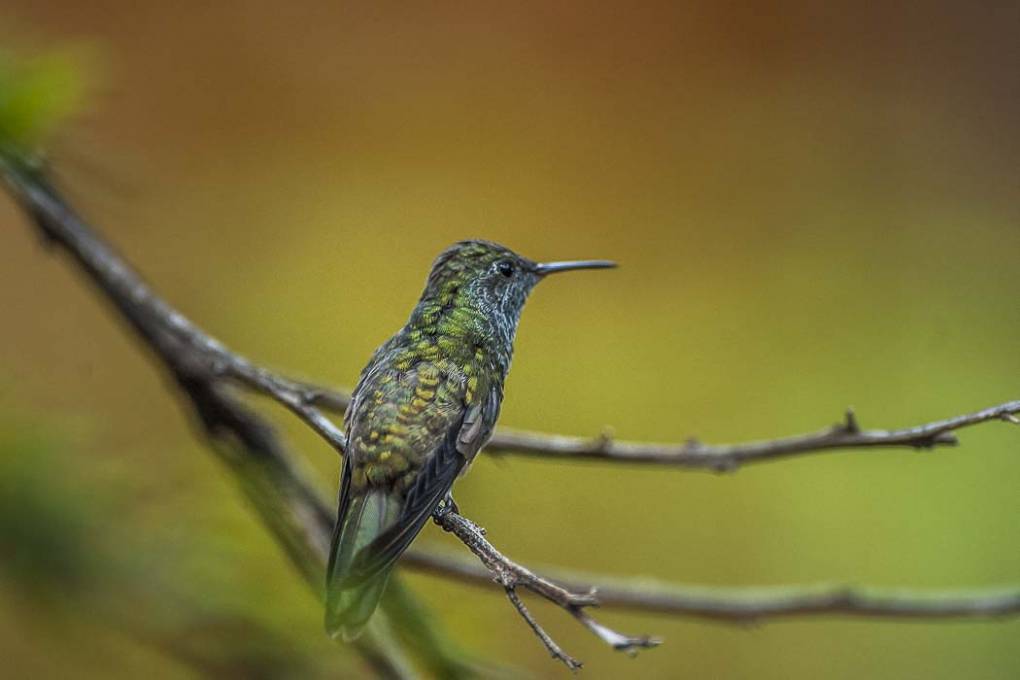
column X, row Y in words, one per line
column 850, row 425
column 1010, row 418
column 603, row 441
column 725, row 465
column 935, row 440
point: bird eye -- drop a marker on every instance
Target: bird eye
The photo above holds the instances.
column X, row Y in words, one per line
column 505, row 268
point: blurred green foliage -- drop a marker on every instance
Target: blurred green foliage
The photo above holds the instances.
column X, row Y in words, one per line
column 37, row 95
column 813, row 207
column 44, row 546
column 74, row 567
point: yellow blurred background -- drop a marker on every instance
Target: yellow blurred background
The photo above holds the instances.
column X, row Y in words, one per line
column 815, row 205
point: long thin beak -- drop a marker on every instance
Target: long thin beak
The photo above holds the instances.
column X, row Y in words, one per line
column 552, row 267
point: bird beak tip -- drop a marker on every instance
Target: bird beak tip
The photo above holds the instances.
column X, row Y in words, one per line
column 553, row 267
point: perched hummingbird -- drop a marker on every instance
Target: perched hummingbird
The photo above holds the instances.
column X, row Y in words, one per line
column 423, row 407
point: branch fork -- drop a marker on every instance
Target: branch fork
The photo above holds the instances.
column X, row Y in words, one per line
column 511, row 575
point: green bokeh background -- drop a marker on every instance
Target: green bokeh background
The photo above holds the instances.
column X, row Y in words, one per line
column 813, row 206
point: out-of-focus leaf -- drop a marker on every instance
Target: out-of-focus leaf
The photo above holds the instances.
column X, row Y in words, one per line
column 43, row 532
column 37, row 94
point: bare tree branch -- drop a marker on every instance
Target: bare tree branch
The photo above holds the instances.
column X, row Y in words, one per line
column 749, row 604
column 694, row 454
column 301, row 521
column 184, row 347
column 728, row 457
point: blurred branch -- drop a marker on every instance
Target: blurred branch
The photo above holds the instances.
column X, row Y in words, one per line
column 697, row 455
column 302, row 523
column 287, row 504
column 416, row 627
column 750, row 604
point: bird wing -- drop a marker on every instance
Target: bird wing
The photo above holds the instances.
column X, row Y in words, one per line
column 432, row 484
column 462, row 442
column 441, row 419
column 479, row 421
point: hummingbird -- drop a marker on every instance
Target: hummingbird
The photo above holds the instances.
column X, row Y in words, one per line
column 424, row 406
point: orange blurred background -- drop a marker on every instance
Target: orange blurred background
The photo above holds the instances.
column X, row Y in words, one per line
column 814, row 206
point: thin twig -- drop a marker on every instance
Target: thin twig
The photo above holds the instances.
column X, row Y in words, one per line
column 728, row 457
column 554, row 649
column 697, row 455
column 511, row 575
column 748, row 604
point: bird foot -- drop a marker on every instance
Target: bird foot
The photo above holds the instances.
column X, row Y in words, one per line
column 446, row 506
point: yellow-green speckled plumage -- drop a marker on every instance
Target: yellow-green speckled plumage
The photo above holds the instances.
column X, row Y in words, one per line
column 407, row 410
column 419, row 385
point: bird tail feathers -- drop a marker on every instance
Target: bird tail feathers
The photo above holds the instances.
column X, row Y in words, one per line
column 350, row 597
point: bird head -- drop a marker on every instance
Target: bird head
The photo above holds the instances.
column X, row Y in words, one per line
column 492, row 277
